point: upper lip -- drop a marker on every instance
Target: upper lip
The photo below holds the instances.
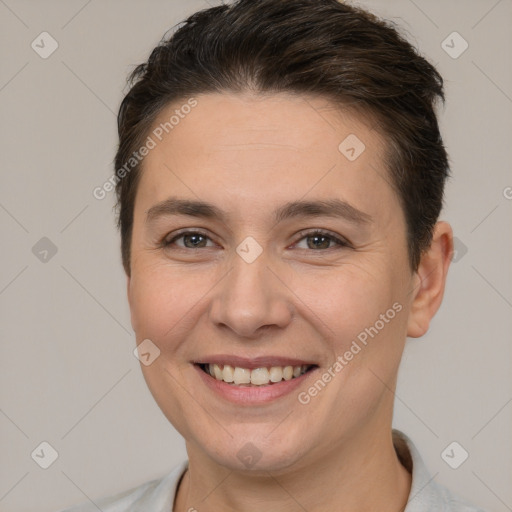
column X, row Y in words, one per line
column 253, row 362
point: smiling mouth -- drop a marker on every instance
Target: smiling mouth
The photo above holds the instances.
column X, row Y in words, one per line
column 263, row 376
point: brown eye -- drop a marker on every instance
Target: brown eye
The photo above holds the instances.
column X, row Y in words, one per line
column 189, row 240
column 320, row 240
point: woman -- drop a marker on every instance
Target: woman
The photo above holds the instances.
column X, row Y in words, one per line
column 280, row 175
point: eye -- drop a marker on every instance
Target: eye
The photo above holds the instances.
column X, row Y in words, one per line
column 189, row 240
column 320, row 240
column 317, row 240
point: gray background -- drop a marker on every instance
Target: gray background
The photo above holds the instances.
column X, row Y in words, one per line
column 68, row 374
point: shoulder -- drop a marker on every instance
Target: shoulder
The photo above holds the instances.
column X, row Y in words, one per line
column 426, row 494
column 455, row 503
column 155, row 495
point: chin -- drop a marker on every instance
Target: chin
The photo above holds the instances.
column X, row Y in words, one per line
column 252, row 449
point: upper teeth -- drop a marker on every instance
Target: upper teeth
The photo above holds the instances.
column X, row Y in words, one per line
column 257, row 376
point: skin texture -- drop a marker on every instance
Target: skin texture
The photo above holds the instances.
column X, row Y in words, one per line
column 249, row 155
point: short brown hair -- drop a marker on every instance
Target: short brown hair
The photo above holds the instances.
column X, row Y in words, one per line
column 315, row 47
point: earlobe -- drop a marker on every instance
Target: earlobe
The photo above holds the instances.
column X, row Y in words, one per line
column 430, row 280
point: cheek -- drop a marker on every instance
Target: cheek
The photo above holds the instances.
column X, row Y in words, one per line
column 351, row 297
column 361, row 313
column 159, row 300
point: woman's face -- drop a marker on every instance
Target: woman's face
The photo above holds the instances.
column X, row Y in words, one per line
column 264, row 238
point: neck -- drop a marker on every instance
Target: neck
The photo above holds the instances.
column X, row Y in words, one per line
column 360, row 475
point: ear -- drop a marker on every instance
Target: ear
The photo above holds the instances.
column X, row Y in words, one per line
column 429, row 280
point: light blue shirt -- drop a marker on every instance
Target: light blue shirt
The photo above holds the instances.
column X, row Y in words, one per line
column 158, row 495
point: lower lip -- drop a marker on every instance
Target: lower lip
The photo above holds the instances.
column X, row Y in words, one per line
column 252, row 395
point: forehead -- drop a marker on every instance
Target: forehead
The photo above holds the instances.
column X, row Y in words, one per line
column 296, row 122
column 263, row 148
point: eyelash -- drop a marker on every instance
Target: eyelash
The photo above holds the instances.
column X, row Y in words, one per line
column 341, row 243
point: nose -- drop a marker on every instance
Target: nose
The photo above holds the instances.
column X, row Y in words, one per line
column 251, row 299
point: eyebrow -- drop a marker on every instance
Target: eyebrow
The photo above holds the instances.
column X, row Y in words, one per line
column 201, row 209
